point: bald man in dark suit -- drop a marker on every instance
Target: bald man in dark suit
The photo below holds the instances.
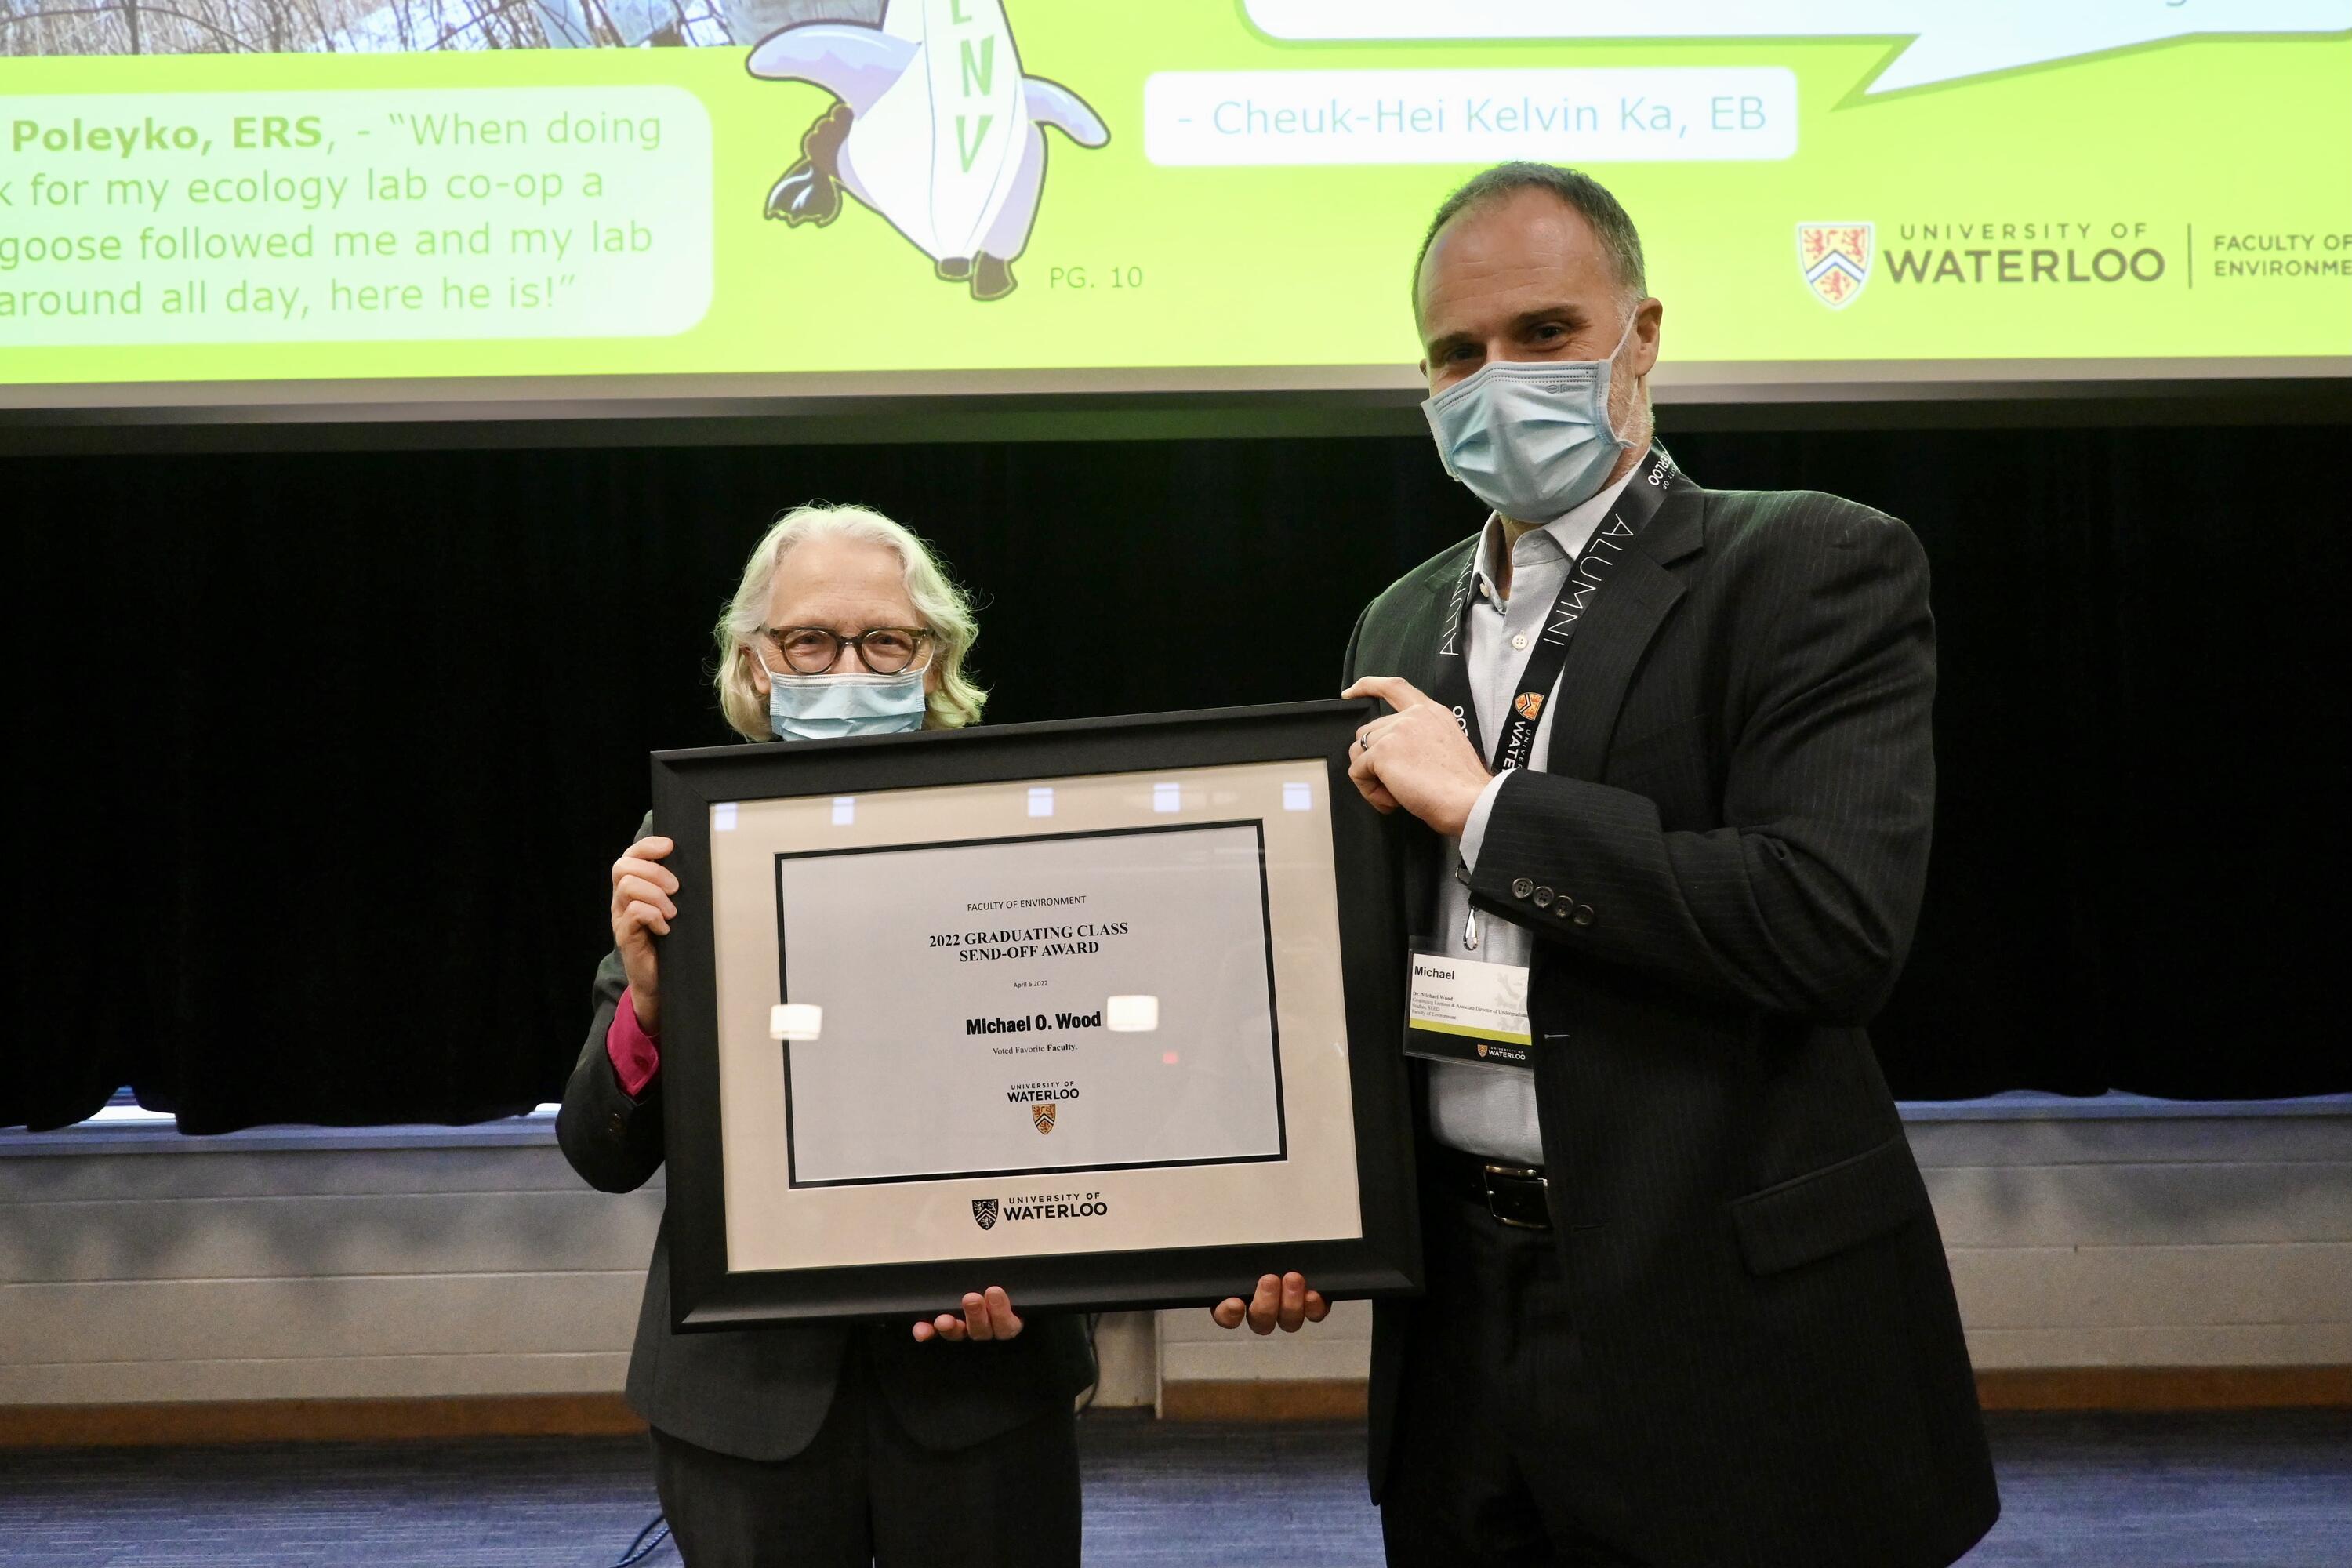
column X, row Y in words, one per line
column 1658, row 759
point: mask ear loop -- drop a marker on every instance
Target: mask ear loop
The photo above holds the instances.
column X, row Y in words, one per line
column 1610, row 366
column 1625, row 336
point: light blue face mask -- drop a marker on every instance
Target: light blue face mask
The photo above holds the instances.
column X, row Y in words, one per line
column 828, row 707
column 1531, row 438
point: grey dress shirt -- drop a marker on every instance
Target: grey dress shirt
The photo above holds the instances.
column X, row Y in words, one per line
column 1483, row 1110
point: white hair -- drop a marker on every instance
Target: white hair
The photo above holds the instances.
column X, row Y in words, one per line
column 945, row 609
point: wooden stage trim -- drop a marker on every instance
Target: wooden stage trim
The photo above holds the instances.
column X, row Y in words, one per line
column 2166, row 1388
column 1269, row 1399
column 1274, row 1399
column 317, row 1420
column 2057, row 1388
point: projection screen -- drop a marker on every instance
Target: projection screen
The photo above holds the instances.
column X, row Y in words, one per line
column 279, row 204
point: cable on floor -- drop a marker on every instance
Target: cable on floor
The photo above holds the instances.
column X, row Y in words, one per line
column 656, row 1532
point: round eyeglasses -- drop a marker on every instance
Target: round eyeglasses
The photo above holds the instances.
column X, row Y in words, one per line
column 885, row 650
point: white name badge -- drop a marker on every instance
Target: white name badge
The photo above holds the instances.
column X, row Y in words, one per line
column 1464, row 1010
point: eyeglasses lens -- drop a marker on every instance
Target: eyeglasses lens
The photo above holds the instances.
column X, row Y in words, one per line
column 888, row 652
column 813, row 650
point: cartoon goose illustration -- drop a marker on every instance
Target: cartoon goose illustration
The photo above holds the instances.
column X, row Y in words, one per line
column 936, row 130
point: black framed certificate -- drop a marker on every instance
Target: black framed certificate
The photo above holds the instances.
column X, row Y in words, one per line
column 1104, row 1012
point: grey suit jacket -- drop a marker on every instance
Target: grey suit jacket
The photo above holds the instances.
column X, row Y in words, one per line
column 762, row 1394
column 1732, row 837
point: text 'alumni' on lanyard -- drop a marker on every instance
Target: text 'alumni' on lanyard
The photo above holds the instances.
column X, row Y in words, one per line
column 1635, row 505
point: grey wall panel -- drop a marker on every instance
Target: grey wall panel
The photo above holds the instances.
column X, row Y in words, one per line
column 2153, row 1286
column 2212, row 1344
column 220, row 1272
column 2119, row 1204
column 218, row 1168
column 2052, row 1143
column 378, row 1314
column 298, row 1235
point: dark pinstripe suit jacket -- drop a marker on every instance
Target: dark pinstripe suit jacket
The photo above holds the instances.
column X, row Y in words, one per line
column 1734, row 822
column 762, row 1394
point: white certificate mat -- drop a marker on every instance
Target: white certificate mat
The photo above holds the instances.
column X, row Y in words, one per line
column 925, row 1123
column 980, row 1010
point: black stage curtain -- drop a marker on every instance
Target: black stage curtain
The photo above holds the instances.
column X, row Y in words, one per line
column 324, row 755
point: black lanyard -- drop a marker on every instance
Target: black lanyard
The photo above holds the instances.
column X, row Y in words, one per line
column 1654, row 476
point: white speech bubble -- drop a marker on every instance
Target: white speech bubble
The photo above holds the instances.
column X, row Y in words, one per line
column 1703, row 113
column 421, row 216
column 1950, row 39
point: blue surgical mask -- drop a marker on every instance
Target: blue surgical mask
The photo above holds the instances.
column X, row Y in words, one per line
column 828, row 707
column 1531, row 438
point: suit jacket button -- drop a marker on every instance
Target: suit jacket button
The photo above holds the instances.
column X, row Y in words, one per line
column 1584, row 914
column 1522, row 888
column 617, row 1125
column 1543, row 898
column 1563, row 908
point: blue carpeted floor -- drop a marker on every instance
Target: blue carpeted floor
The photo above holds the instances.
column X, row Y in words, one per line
column 2270, row 1490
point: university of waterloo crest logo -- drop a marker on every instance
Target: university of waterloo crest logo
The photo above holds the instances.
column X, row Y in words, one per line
column 1482, row 1047
column 1835, row 259
column 1041, row 1113
column 1528, row 703
column 984, row 1213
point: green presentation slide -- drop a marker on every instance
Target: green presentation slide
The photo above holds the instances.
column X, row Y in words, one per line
column 258, row 190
